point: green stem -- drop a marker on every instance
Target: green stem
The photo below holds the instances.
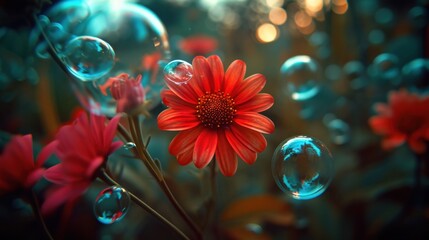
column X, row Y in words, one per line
column 36, row 209
column 155, row 171
column 108, row 180
column 211, row 203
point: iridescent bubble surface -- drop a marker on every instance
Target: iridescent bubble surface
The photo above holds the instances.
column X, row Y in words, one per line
column 111, row 205
column 301, row 77
column 135, row 34
column 302, row 167
column 88, row 58
column 178, row 72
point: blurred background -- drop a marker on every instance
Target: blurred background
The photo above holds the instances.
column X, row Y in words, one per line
column 327, row 62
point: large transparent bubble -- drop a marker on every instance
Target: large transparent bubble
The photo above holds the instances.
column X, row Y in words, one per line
column 302, row 167
column 96, row 41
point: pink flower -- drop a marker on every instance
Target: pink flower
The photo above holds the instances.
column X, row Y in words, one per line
column 83, row 148
column 218, row 115
column 198, row 45
column 128, row 92
column 17, row 167
column 404, row 119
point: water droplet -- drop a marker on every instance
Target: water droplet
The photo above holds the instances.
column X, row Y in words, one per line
column 129, row 145
column 111, row 205
column 386, row 68
column 178, row 72
column 88, row 58
column 302, row 167
column 301, row 74
column 339, row 131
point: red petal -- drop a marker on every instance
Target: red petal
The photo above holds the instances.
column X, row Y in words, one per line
column 185, row 91
column 217, row 71
column 255, row 121
column 203, row 74
column 205, row 147
column 185, row 157
column 172, row 120
column 225, row 156
column 255, row 141
column 47, row 151
column 62, row 194
column 242, row 150
column 248, row 88
column 170, row 99
column 33, row 177
column 184, row 140
column 234, row 74
column 393, row 141
column 258, row 103
column 381, row 125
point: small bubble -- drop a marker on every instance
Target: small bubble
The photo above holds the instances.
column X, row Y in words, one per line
column 301, row 75
column 302, row 167
column 416, row 72
column 111, row 205
column 88, row 58
column 386, row 67
column 178, row 72
column 339, row 131
column 129, row 145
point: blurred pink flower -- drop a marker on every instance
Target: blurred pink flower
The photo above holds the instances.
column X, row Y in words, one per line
column 218, row 114
column 128, row 92
column 83, row 148
column 404, row 119
column 198, row 45
column 18, row 170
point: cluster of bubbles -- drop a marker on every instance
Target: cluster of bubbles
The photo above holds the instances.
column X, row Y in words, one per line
column 302, row 167
column 111, row 205
column 97, row 40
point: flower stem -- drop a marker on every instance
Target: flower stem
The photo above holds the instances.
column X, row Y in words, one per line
column 36, row 209
column 107, row 179
column 211, row 203
column 155, row 171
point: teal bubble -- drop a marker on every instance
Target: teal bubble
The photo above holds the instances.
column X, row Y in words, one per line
column 88, row 58
column 302, row 167
column 386, row 68
column 301, row 76
column 339, row 131
column 111, row 205
column 416, row 72
column 178, row 72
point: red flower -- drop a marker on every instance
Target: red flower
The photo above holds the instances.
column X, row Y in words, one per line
column 128, row 92
column 83, row 148
column 404, row 119
column 17, row 167
column 218, row 115
column 198, row 45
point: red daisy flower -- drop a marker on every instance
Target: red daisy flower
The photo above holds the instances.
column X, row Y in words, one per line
column 83, row 148
column 217, row 114
column 18, row 170
column 404, row 119
column 198, row 45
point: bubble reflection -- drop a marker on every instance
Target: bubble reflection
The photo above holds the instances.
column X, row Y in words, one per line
column 111, row 205
column 302, row 167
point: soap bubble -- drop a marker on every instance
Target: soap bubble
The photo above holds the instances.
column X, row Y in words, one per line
column 178, row 72
column 354, row 72
column 302, row 167
column 416, row 72
column 111, row 205
column 88, row 58
column 386, row 68
column 339, row 131
column 135, row 35
column 301, row 75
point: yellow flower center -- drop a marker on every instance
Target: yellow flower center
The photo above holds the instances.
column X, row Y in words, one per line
column 216, row 110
